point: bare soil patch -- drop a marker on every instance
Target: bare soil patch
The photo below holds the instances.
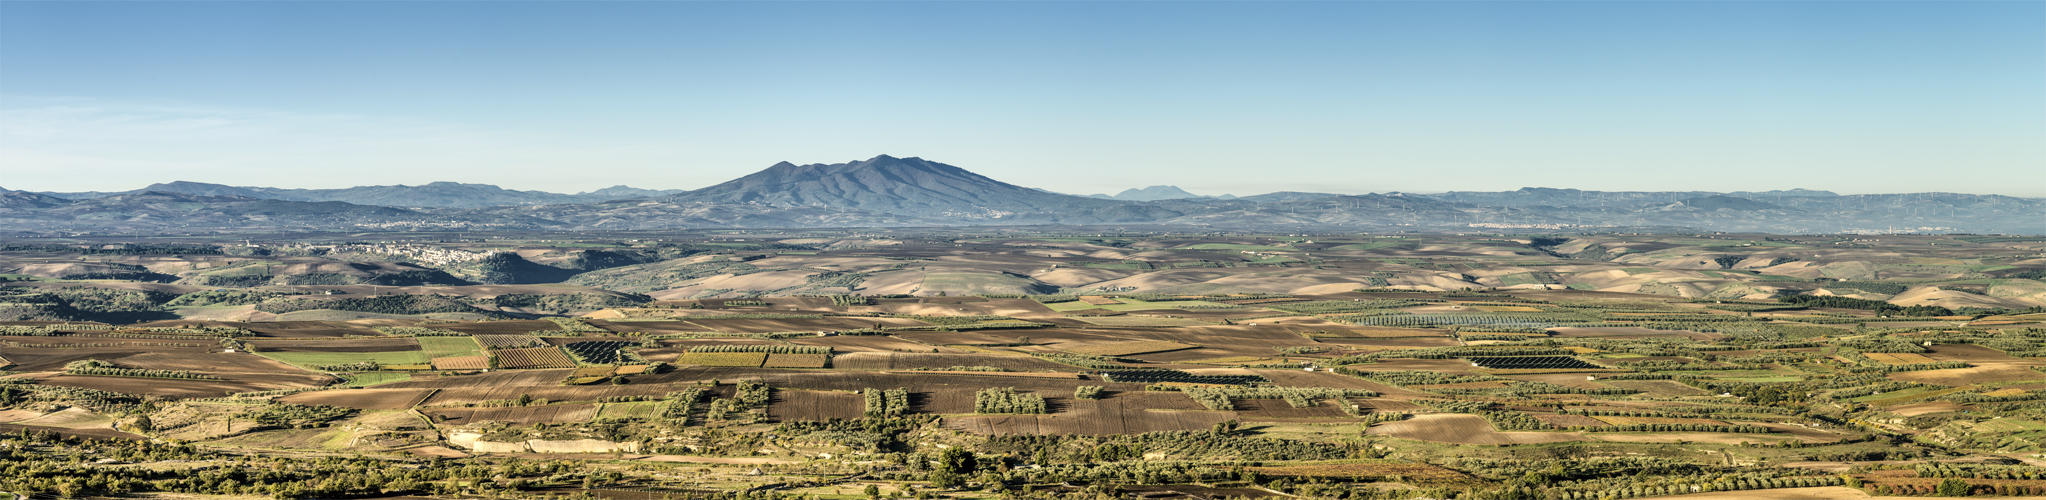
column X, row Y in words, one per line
column 788, row 405
column 286, row 329
column 524, row 415
column 1916, row 409
column 1432, row 365
column 513, row 327
column 1972, row 354
column 1973, row 375
column 365, row 399
column 970, row 338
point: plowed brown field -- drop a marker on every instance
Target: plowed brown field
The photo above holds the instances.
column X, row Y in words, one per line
column 364, row 399
column 523, row 415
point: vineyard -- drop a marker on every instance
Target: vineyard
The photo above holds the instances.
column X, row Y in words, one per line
column 769, row 349
column 1531, row 362
column 599, row 352
column 462, row 363
column 533, row 358
column 1177, row 377
column 509, row 341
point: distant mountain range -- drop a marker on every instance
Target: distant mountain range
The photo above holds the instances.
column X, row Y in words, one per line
column 438, row 194
column 890, row 191
column 1156, row 193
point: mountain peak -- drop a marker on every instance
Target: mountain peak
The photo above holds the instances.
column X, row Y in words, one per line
column 903, row 186
column 1157, row 193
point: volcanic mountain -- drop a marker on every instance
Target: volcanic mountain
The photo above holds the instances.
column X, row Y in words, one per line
column 905, row 186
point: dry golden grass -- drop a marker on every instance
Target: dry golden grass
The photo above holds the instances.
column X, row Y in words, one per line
column 462, row 363
column 796, row 361
column 1898, row 358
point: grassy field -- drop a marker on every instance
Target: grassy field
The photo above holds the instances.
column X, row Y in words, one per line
column 2010, row 425
column 639, row 409
column 377, row 378
column 973, row 283
column 1372, row 245
column 442, row 347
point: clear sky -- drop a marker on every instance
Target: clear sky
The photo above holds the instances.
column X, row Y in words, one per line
column 1081, row 97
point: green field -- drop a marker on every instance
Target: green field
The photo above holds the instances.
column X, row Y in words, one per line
column 1372, row 245
column 377, row 378
column 2010, row 425
column 975, row 283
column 637, row 409
column 441, row 347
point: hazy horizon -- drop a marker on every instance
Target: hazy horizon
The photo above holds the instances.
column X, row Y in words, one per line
column 1110, row 192
column 1080, row 98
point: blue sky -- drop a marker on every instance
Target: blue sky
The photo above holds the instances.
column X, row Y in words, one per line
column 1083, row 97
